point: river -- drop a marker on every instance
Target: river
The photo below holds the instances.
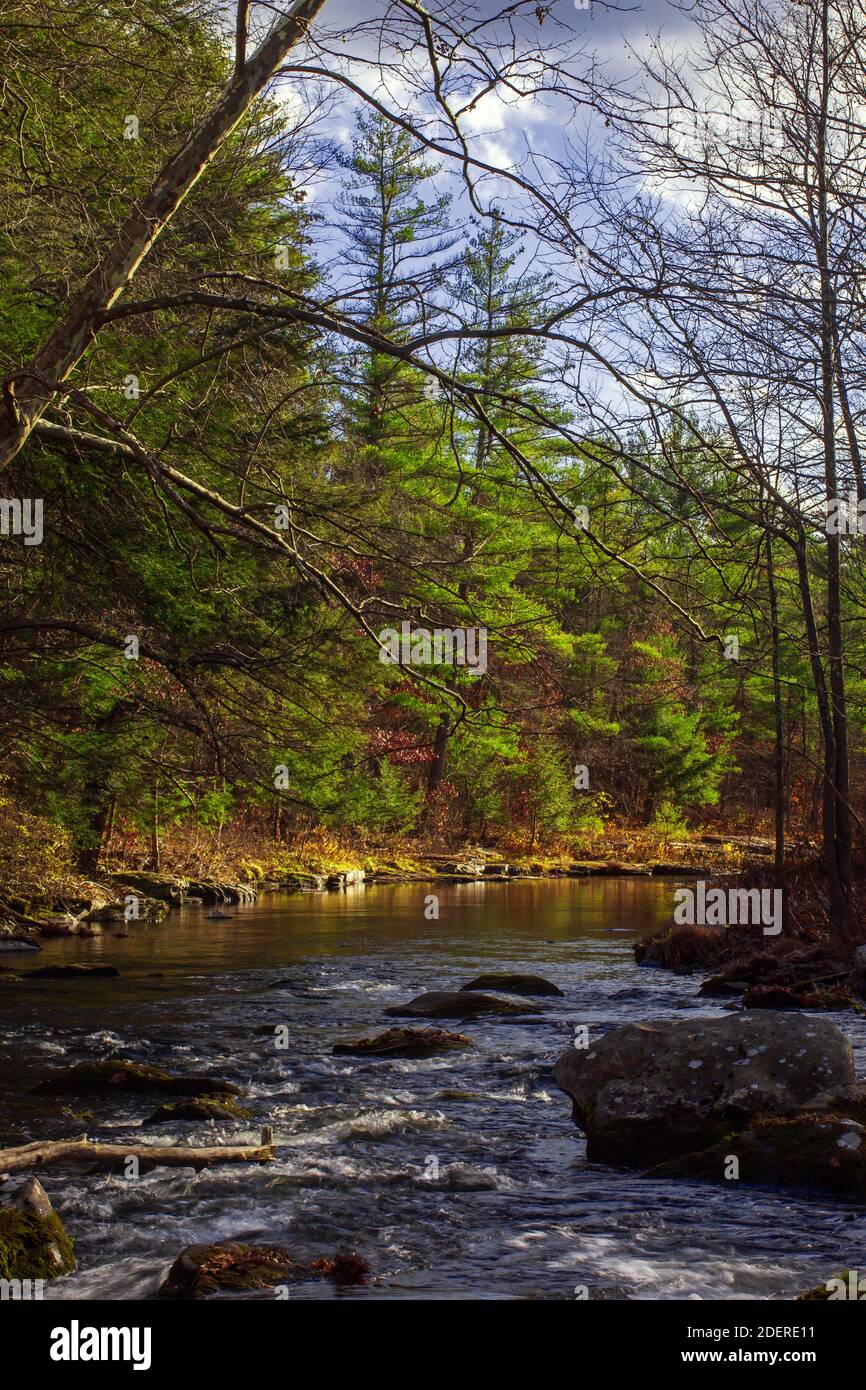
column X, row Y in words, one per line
column 460, row 1176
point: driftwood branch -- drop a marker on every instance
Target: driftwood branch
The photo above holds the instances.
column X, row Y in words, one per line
column 81, row 1150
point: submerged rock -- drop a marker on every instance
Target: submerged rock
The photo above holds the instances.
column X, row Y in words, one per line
column 117, row 1075
column 513, row 984
column 804, row 1153
column 198, row 1108
column 201, row 1270
column 404, row 1042
column 448, row 1004
column 33, row 1241
column 653, row 1091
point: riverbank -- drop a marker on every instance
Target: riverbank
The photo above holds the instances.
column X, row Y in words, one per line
column 41, row 893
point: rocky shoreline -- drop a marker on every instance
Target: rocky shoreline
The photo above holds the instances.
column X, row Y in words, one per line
column 131, row 894
column 759, row 1097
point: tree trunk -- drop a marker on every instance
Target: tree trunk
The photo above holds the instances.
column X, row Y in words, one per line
column 28, row 393
column 779, row 720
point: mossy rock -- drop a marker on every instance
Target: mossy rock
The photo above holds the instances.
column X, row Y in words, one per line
column 136, row 1077
column 198, row 1108
column 846, row 1285
column 203, row 1270
column 404, row 1042
column 33, row 1241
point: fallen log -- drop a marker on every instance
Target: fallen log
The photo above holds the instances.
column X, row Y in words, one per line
column 82, row 1150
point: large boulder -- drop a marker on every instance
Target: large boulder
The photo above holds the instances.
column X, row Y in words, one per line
column 447, row 1004
column 649, row 1092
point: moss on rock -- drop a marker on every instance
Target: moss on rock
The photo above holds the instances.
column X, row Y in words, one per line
column 198, row 1108
column 118, row 1075
column 203, row 1270
column 33, row 1241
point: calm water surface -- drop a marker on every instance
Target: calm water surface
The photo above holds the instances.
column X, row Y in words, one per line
column 515, row 1211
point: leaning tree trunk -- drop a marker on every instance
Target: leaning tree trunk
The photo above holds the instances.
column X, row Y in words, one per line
column 28, row 393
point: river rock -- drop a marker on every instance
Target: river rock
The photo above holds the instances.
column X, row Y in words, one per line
column 33, row 1241
column 464, row 868
column 230, row 1267
column 846, row 1284
column 802, row 1153
column 198, row 1108
column 347, row 878
column 118, row 1075
column 209, row 892
column 404, row 1042
column 164, row 887
column 513, row 984
column 448, row 1004
column 18, row 943
column 649, row 1092
column 55, row 923
column 782, row 997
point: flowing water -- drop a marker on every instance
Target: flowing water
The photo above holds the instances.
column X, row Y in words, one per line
column 460, row 1176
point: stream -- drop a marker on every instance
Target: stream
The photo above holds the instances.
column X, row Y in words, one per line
column 461, row 1176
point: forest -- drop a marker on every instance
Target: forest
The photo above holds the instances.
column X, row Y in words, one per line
column 432, row 666
column 292, row 357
